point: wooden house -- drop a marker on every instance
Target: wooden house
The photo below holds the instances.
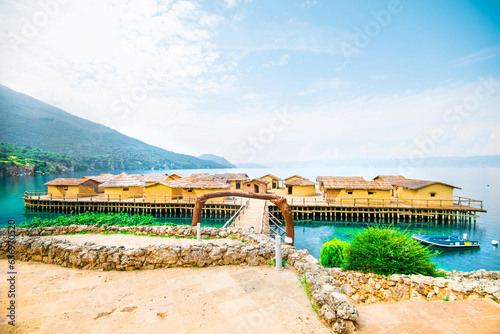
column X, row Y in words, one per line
column 274, row 181
column 393, row 180
column 197, row 187
column 162, row 191
column 234, row 179
column 300, row 187
column 123, row 186
column 100, row 179
column 257, row 186
column 72, row 188
column 175, row 176
column 354, row 190
column 426, row 193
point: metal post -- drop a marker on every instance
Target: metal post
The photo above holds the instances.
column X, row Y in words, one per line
column 198, row 231
column 278, row 253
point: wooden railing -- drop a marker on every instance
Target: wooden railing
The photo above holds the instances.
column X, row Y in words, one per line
column 237, row 214
column 42, row 194
column 402, row 203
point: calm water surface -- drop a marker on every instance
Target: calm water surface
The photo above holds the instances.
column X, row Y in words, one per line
column 476, row 183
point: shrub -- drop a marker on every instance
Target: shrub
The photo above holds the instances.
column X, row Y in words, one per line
column 386, row 251
column 333, row 253
column 94, row 218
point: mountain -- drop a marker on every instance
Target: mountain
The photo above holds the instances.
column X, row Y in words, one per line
column 220, row 160
column 25, row 121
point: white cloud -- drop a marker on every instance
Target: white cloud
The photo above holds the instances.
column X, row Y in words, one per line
column 479, row 56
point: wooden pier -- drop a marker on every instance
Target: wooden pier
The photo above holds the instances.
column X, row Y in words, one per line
column 178, row 207
column 303, row 208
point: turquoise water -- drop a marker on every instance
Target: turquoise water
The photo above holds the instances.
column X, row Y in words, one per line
column 476, row 183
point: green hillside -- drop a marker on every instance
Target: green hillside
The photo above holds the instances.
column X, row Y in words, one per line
column 27, row 122
column 16, row 160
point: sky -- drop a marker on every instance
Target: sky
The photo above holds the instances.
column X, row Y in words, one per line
column 267, row 81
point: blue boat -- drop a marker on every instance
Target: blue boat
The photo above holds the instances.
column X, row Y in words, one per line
column 446, row 241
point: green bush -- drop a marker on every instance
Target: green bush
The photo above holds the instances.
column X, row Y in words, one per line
column 99, row 219
column 333, row 253
column 386, row 251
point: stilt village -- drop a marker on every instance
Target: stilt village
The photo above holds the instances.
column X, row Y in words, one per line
column 392, row 198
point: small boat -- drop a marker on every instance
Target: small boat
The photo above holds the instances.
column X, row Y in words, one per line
column 446, row 241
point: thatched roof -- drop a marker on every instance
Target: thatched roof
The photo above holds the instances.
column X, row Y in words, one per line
column 298, row 176
column 419, row 184
column 300, row 182
column 153, row 177
column 320, row 179
column 199, row 184
column 392, row 179
column 356, row 185
column 123, row 180
column 99, row 178
column 271, row 176
column 256, row 181
column 176, row 176
column 232, row 176
column 68, row 182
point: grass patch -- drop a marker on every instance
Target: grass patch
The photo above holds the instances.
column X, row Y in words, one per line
column 307, row 289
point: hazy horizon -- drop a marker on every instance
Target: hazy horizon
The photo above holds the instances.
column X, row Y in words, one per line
column 267, row 82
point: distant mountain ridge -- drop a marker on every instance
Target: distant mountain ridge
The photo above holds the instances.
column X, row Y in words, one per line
column 215, row 158
column 25, row 121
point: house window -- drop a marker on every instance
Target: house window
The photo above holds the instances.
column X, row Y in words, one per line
column 125, row 189
column 349, row 193
column 433, row 194
column 248, row 185
column 370, row 193
column 190, row 190
column 238, row 185
column 66, row 188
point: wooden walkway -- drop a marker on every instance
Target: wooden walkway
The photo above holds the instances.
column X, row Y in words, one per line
column 252, row 216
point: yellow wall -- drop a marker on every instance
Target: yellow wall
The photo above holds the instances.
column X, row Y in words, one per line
column 71, row 192
column 249, row 187
column 271, row 180
column 302, row 190
column 443, row 195
column 115, row 193
column 199, row 192
column 378, row 197
column 161, row 192
column 233, row 185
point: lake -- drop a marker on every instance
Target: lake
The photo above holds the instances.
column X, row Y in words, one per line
column 477, row 183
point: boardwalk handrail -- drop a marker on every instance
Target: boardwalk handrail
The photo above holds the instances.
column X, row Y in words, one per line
column 275, row 222
column 236, row 215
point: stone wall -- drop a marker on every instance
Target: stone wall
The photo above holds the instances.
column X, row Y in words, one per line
column 332, row 290
column 257, row 249
column 371, row 288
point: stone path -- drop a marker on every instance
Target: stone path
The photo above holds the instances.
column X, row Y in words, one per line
column 252, row 215
column 229, row 299
column 457, row 317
